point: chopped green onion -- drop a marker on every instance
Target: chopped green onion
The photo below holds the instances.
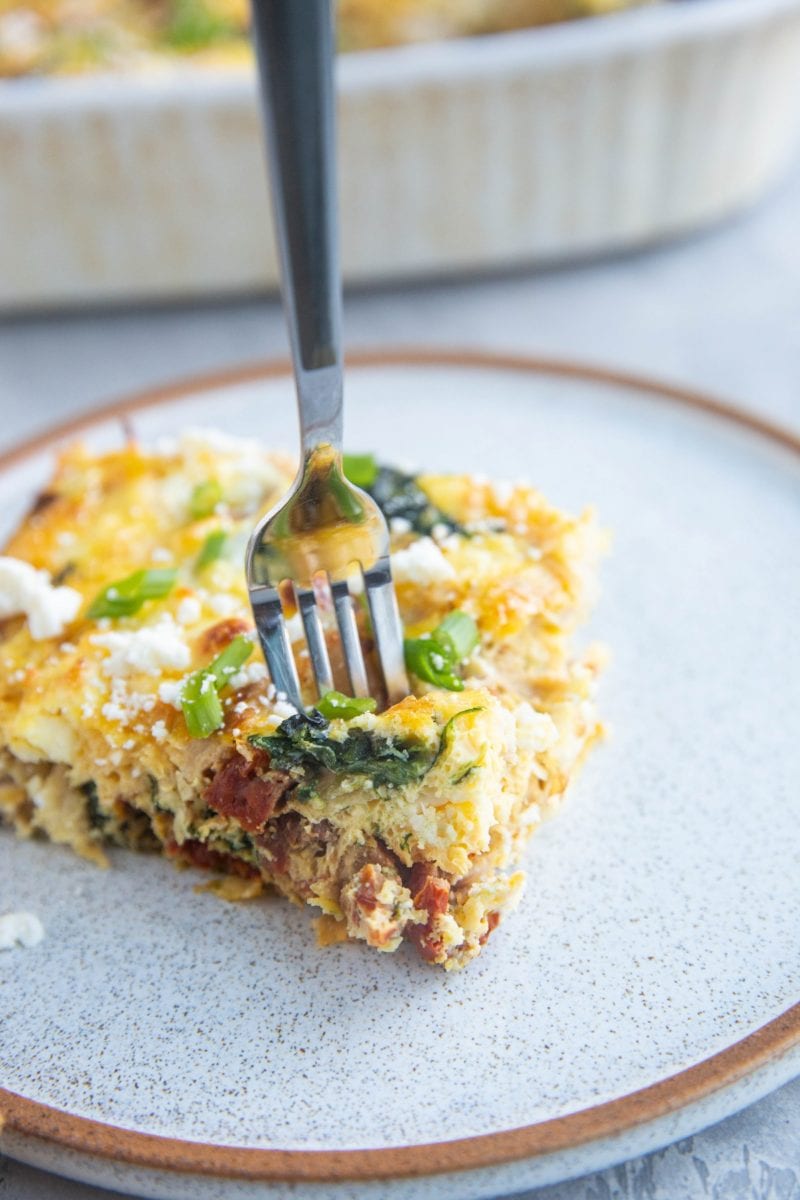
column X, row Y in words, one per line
column 204, row 499
column 336, row 704
column 360, row 469
column 462, row 631
column 432, row 661
column 202, row 707
column 444, row 740
column 126, row 596
column 228, row 662
column 435, row 656
column 211, row 549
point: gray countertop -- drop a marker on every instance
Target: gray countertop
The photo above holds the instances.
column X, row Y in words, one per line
column 719, row 311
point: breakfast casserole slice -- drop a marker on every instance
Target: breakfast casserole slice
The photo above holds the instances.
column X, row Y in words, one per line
column 135, row 707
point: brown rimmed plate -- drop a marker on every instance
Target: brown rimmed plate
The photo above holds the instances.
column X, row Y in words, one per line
column 158, row 1041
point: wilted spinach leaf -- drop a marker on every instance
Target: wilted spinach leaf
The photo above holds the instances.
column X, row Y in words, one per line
column 398, row 494
column 302, row 742
column 97, row 818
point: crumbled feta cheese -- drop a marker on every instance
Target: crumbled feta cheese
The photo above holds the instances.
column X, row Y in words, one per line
column 65, row 537
column 169, row 692
column 26, row 591
column 189, row 610
column 125, row 705
column 223, row 605
column 161, row 555
column 252, row 672
column 282, row 709
column 149, row 649
column 242, row 467
column 20, row 929
column 422, row 562
column 67, row 648
column 159, row 731
column 175, row 496
column 503, row 491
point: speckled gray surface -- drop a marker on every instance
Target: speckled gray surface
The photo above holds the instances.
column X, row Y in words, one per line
column 718, row 311
column 658, row 926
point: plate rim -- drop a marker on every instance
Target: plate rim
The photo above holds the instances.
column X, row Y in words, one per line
column 31, row 1118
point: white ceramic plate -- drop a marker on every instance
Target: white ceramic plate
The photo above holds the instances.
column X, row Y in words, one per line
column 163, row 1042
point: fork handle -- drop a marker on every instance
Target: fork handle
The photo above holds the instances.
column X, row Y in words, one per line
column 294, row 42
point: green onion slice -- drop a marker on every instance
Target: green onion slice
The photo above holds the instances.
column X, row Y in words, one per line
column 202, row 707
column 336, row 704
column 446, row 735
column 360, row 469
column 433, row 661
column 211, row 549
column 461, row 630
column 126, row 596
column 435, row 656
column 204, row 499
column 235, row 654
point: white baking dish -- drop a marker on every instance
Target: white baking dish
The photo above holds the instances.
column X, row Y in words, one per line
column 525, row 147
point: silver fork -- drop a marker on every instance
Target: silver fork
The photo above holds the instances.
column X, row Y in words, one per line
column 326, row 531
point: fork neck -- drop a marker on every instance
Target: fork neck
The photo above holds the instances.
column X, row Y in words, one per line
column 295, row 48
column 319, row 403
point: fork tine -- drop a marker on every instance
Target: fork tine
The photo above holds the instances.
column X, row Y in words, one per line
column 351, row 643
column 387, row 628
column 317, row 648
column 274, row 637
